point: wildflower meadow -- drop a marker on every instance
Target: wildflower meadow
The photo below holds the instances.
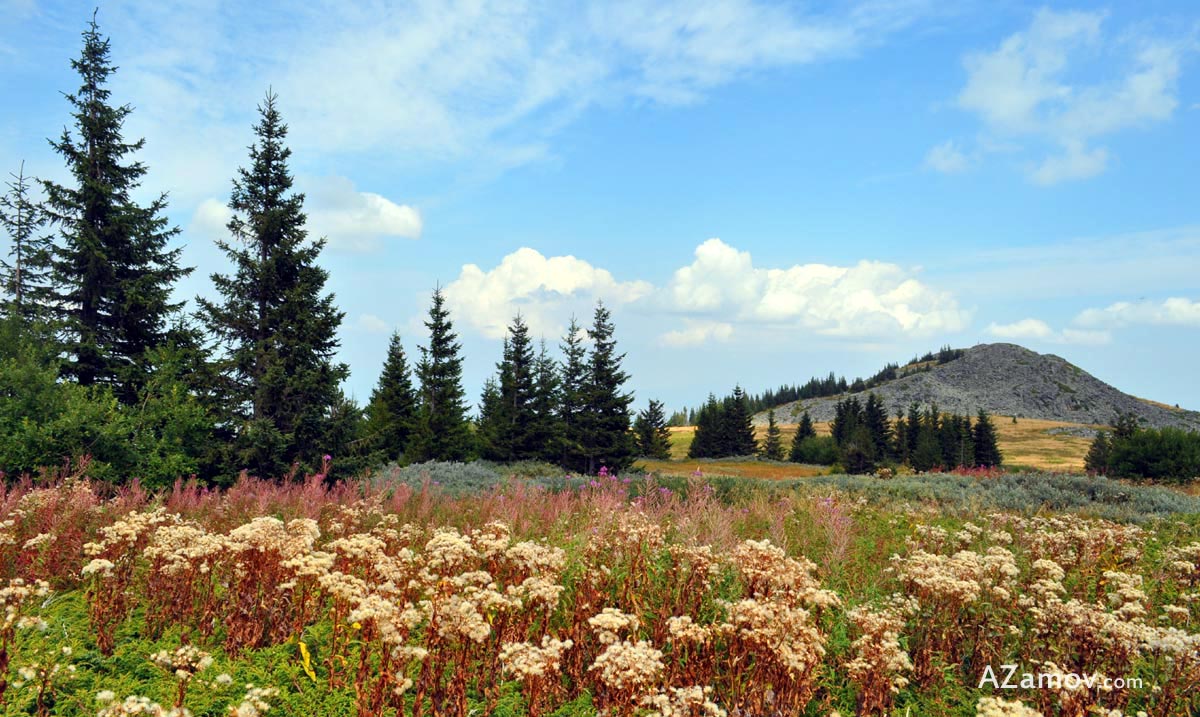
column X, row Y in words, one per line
column 616, row 595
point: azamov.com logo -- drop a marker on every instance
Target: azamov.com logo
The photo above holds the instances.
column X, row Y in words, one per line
column 1008, row 678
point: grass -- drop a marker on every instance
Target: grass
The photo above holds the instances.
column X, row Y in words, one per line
column 1025, row 443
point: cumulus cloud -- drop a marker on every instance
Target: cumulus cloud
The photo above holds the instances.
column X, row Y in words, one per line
column 351, row 220
column 373, row 324
column 1175, row 311
column 1036, row 329
column 543, row 289
column 1023, row 329
column 867, row 299
column 947, row 158
column 354, row 220
column 697, row 332
column 1026, row 88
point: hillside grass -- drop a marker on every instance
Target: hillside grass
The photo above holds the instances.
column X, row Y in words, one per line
column 1025, row 444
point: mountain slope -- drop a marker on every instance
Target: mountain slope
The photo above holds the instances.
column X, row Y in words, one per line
column 1006, row 380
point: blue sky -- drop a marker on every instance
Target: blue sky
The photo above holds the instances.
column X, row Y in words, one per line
column 760, row 191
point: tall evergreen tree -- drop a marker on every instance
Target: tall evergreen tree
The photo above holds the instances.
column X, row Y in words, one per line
column 737, row 434
column 516, row 377
column 605, row 420
column 441, row 433
column 1097, row 460
column 573, row 383
column 900, row 434
column 876, row 421
column 772, row 448
column 278, row 325
column 544, row 434
column 26, row 274
column 706, row 439
column 987, row 452
column 650, row 430
column 112, row 271
column 392, row 410
column 804, row 431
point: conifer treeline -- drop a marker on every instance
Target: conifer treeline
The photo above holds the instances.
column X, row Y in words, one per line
column 831, row 385
column 862, row 436
column 1132, row 451
column 96, row 358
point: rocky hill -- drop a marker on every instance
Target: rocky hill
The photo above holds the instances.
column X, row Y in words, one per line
column 1005, row 380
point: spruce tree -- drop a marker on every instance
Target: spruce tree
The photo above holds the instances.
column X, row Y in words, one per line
column 573, row 382
column 1097, row 460
column 112, row 272
column 392, row 410
column 987, row 452
column 442, row 433
column 737, row 434
column 876, row 421
column 488, row 427
column 708, row 422
column 804, row 431
column 650, row 430
column 772, row 448
column 516, row 377
column 26, row 274
column 900, row 443
column 605, row 420
column 544, row 433
column 277, row 324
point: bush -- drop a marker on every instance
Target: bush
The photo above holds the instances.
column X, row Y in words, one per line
column 819, row 450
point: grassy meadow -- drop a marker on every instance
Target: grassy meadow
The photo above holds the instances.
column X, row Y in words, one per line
column 451, row 589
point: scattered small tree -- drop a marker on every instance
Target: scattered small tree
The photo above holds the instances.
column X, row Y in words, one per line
column 392, row 410
column 772, row 448
column 650, row 430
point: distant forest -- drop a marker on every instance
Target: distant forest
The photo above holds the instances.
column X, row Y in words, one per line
column 831, row 385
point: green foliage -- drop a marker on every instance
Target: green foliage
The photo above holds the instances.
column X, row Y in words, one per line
column 987, row 452
column 112, row 272
column 604, row 421
column 804, row 431
column 278, row 327
column 650, row 431
column 819, row 450
column 441, row 431
column 506, row 434
column 1097, row 460
column 772, row 448
column 45, row 422
column 1170, row 455
column 572, row 397
column 392, row 410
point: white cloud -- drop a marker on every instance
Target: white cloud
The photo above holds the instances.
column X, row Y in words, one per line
column 1026, row 88
column 947, row 158
column 210, row 218
column 1175, row 311
column 1023, row 329
column 697, row 332
column 1036, row 329
column 869, row 298
column 354, row 220
column 373, row 324
column 1075, row 162
column 543, row 289
column 351, row 220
